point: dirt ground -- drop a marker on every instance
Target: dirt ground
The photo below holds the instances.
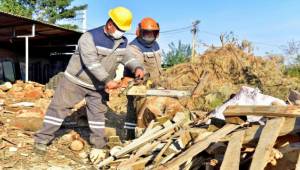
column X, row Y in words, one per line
column 16, row 146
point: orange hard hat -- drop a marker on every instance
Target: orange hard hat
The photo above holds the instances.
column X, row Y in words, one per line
column 147, row 24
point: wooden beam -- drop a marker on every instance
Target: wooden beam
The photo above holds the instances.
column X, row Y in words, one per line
column 198, row 147
column 266, row 142
column 233, row 152
column 267, row 111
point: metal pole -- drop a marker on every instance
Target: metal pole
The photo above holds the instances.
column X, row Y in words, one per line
column 26, row 58
column 27, row 50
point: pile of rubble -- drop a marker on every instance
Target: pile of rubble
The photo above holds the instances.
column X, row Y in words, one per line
column 27, row 101
column 22, row 109
column 221, row 71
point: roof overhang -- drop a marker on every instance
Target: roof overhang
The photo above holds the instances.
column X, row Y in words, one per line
column 12, row 26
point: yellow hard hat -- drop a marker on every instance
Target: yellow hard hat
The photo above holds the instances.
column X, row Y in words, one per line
column 122, row 17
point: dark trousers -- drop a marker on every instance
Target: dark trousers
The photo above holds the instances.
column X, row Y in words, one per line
column 130, row 120
column 66, row 96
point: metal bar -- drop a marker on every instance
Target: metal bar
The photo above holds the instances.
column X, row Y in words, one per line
column 27, row 50
column 26, row 58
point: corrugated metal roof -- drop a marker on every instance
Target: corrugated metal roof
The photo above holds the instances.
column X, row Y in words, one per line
column 22, row 25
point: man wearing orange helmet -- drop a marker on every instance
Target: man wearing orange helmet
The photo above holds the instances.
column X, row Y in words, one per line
column 146, row 49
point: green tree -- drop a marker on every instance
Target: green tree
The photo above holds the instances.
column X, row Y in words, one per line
column 292, row 50
column 17, row 7
column 51, row 11
column 177, row 54
column 297, row 59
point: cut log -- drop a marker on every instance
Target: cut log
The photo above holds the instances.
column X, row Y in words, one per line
column 198, row 147
column 266, row 142
column 267, row 111
column 232, row 155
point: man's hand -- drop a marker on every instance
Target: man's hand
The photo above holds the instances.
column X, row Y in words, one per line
column 139, row 73
column 111, row 85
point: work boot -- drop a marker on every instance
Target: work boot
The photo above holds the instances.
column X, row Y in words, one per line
column 40, row 148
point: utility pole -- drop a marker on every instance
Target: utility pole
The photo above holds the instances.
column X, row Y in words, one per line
column 194, row 41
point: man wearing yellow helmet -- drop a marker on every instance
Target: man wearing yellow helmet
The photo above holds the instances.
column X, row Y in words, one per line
column 89, row 74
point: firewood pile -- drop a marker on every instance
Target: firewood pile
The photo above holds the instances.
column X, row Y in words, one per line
column 188, row 143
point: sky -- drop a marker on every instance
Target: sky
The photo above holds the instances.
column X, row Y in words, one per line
column 268, row 24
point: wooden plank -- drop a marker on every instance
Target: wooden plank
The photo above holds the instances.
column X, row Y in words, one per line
column 198, row 147
column 135, row 91
column 233, row 152
column 140, row 164
column 252, row 134
column 266, row 142
column 160, row 154
column 267, row 111
column 142, row 151
column 138, row 143
column 298, row 163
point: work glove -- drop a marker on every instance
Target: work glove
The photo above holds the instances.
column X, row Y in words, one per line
column 111, row 85
column 97, row 155
column 139, row 73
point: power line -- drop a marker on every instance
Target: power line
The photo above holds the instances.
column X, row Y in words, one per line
column 169, row 34
column 209, row 33
column 255, row 42
column 267, row 44
column 178, row 29
column 171, row 31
